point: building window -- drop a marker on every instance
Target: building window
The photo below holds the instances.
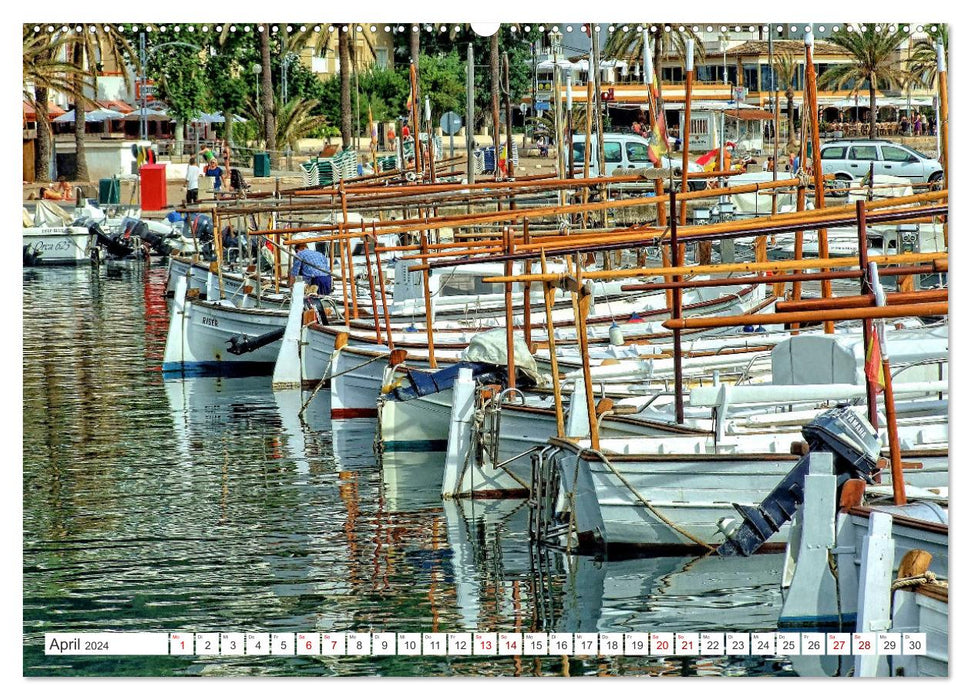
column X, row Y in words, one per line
column 751, row 77
column 381, row 57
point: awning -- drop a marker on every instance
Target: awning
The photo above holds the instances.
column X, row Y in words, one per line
column 52, row 111
column 750, row 114
column 148, row 113
column 116, row 105
column 97, row 115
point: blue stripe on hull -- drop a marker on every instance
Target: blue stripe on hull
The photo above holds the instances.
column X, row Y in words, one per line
column 217, row 369
column 415, row 446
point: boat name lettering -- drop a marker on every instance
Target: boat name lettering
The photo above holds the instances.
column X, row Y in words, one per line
column 210, row 321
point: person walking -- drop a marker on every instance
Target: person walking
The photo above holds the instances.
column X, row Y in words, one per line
column 192, row 182
column 216, row 173
column 312, row 265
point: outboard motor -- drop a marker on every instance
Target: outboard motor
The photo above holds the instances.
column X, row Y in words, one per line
column 139, row 229
column 855, row 446
column 120, row 245
column 200, row 226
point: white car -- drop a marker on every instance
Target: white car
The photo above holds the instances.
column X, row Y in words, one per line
column 850, row 160
column 623, row 151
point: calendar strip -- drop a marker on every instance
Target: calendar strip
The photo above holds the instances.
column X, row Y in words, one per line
column 656, row 644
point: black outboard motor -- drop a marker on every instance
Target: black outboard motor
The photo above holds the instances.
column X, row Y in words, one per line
column 119, row 245
column 855, row 446
column 200, row 226
column 139, row 229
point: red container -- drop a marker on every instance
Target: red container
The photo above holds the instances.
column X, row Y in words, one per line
column 153, row 187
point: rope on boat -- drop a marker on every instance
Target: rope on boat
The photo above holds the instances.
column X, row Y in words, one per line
column 647, row 503
column 911, row 581
column 320, row 384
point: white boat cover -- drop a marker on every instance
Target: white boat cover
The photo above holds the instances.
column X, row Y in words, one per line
column 838, row 359
column 490, row 347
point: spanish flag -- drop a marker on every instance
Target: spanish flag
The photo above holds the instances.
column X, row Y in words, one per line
column 873, row 366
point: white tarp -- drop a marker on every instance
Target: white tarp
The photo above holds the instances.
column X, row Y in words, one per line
column 830, row 359
column 490, row 347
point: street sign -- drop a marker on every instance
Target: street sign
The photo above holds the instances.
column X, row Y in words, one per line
column 451, row 123
column 542, row 106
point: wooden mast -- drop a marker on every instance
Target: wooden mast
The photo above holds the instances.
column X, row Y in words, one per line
column 812, row 112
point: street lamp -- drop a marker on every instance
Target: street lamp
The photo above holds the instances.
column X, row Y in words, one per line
column 257, row 69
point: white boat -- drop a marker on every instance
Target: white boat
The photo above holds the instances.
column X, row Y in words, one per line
column 58, row 245
column 218, row 337
column 841, row 564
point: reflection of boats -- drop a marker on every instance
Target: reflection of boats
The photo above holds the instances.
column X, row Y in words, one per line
column 353, row 443
column 412, row 480
column 678, row 594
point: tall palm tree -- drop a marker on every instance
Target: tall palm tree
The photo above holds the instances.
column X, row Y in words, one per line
column 91, row 45
column 874, row 50
column 629, row 46
column 344, row 54
column 922, row 63
column 268, row 102
column 414, row 44
column 45, row 72
column 786, row 67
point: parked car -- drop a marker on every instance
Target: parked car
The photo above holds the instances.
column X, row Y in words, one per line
column 850, row 160
column 623, row 151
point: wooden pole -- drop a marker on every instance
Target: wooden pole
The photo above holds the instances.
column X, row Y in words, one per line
column 686, row 130
column 510, row 168
column 549, row 292
column 510, row 339
column 770, row 266
column 852, row 314
column 527, row 268
column 429, row 318
column 384, row 295
column 676, row 315
column 494, row 82
column 370, row 284
column 866, row 288
column 582, row 306
column 586, row 147
column 812, row 111
column 415, row 123
column 943, row 123
column 349, row 278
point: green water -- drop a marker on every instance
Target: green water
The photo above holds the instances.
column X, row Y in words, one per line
column 209, row 505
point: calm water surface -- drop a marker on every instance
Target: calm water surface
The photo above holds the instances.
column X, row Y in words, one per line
column 209, row 505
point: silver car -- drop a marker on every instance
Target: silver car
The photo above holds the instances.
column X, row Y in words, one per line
column 851, row 160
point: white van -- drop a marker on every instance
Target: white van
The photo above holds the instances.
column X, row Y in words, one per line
column 624, row 151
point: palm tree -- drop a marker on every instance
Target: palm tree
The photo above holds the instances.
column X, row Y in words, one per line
column 414, row 44
column 786, row 67
column 294, row 119
column 44, row 72
column 266, row 96
column 874, row 52
column 629, row 46
column 90, row 45
column 922, row 63
column 344, row 53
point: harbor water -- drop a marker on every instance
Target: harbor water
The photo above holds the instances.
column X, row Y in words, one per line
column 216, row 505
